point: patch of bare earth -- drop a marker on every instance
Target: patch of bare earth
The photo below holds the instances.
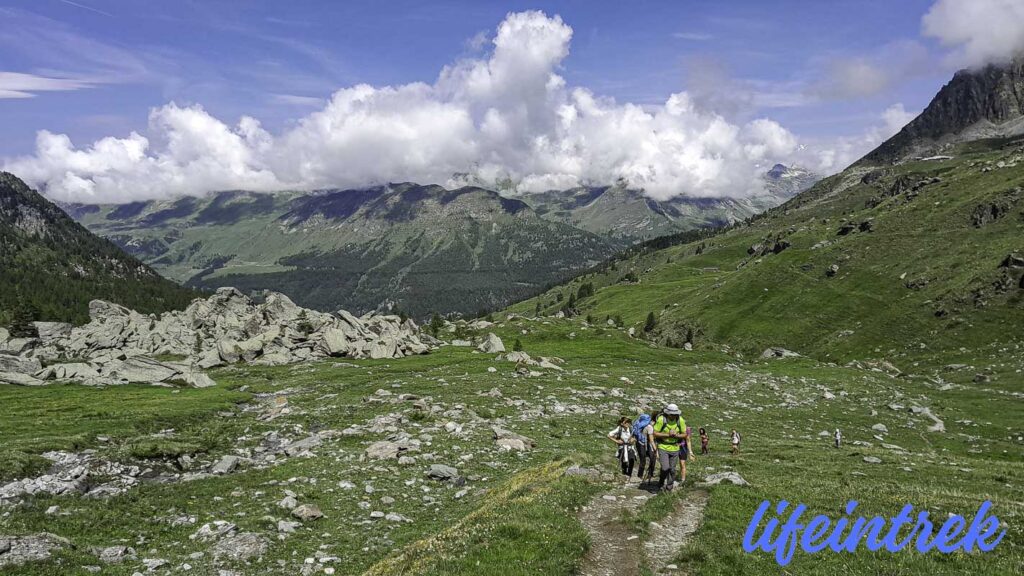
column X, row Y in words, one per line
column 614, row 549
column 671, row 533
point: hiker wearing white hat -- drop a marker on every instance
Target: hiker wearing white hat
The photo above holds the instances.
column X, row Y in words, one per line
column 670, row 433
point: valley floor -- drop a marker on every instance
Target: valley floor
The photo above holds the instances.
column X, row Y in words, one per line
column 510, row 512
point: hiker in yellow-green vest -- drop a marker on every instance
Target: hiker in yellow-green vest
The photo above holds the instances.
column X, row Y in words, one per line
column 670, row 433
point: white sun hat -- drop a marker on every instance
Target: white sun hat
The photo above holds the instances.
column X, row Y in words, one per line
column 672, row 410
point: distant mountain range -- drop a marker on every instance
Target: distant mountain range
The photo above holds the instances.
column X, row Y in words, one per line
column 52, row 267
column 405, row 247
column 627, row 215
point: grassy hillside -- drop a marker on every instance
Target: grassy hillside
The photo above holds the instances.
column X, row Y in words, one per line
column 52, row 266
column 518, row 513
column 898, row 261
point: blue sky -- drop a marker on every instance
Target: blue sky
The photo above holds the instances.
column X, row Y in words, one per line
column 826, row 71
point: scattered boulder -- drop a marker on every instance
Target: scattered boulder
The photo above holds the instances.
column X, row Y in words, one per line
column 443, row 473
column 512, row 440
column 115, row 554
column 778, row 353
column 226, row 464
column 19, row 364
column 492, row 344
column 872, row 460
column 383, row 450
column 243, row 546
column 580, row 471
column 720, row 477
column 18, row 550
column 52, row 330
column 307, row 512
column 19, row 379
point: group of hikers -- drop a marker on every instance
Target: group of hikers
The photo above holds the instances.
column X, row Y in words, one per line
column 661, row 438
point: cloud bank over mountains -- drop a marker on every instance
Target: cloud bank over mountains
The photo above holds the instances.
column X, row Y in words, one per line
column 506, row 116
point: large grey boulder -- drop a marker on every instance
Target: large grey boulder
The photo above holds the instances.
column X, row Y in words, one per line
column 492, row 344
column 51, row 330
column 75, row 371
column 19, row 379
column 243, row 546
column 226, row 464
column 778, row 353
column 20, row 364
column 142, row 369
column 383, row 450
column 443, row 473
column 18, row 550
column 229, row 351
column 511, row 440
column 720, row 477
column 334, row 342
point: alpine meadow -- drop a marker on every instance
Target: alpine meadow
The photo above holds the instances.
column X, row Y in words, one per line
column 487, row 289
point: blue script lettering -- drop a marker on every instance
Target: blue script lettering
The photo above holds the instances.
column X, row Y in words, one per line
column 782, row 537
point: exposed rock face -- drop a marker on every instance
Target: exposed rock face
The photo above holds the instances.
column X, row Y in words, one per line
column 975, row 104
column 119, row 344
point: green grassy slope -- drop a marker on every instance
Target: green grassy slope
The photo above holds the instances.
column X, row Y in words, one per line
column 924, row 275
column 519, row 514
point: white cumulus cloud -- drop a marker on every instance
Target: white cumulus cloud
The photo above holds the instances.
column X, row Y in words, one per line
column 980, row 31
column 505, row 115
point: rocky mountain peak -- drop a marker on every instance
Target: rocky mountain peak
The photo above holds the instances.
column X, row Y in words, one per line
column 978, row 103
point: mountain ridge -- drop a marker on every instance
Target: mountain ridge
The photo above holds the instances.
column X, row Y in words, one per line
column 372, row 248
column 54, row 266
column 976, row 103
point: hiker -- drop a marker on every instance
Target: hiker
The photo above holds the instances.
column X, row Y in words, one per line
column 838, row 437
column 647, row 450
column 703, row 442
column 670, row 433
column 735, row 442
column 622, row 436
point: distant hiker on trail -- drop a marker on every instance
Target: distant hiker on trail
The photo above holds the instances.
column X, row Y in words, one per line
column 646, row 445
column 703, row 441
column 622, row 436
column 838, row 437
column 735, row 442
column 670, row 432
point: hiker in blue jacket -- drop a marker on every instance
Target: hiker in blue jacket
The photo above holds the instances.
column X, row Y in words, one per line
column 646, row 447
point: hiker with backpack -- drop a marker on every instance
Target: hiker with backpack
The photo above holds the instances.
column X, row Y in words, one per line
column 646, row 446
column 735, row 442
column 670, row 434
column 622, row 436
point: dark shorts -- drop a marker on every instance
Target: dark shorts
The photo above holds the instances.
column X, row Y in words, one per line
column 684, row 454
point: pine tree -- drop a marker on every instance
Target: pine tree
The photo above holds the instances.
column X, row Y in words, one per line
column 303, row 323
column 22, row 317
column 436, row 323
column 651, row 322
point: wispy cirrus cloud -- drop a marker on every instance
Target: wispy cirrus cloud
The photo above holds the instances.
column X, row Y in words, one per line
column 693, row 36
column 21, row 85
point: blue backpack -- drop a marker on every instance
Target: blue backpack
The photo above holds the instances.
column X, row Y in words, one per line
column 638, row 429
